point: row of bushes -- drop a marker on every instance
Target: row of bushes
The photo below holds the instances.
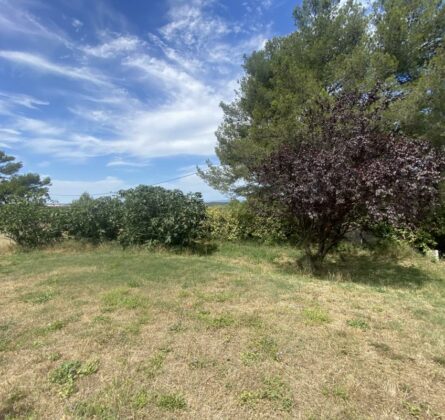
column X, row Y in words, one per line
column 141, row 216
column 156, row 216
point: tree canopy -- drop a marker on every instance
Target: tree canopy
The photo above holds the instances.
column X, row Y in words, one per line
column 398, row 44
column 20, row 186
column 349, row 172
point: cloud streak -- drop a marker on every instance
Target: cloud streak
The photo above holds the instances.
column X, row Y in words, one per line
column 123, row 95
column 43, row 65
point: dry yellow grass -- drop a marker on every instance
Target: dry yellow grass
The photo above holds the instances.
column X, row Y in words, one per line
column 5, row 244
column 237, row 334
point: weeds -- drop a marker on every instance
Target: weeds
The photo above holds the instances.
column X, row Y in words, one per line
column 122, row 299
column 216, row 322
column 170, row 402
column 358, row 323
column 261, row 348
column 273, row 390
column 315, row 315
column 38, row 297
column 336, row 391
column 66, row 374
column 154, row 365
column 440, row 360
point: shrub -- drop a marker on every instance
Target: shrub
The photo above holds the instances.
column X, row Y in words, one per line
column 94, row 220
column 348, row 171
column 156, row 216
column 239, row 221
column 30, row 224
column 433, row 230
column 430, row 234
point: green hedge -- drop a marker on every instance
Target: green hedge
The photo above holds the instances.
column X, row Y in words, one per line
column 238, row 221
column 154, row 215
column 94, row 220
column 30, row 224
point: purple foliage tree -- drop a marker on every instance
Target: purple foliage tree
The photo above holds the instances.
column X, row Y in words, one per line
column 346, row 170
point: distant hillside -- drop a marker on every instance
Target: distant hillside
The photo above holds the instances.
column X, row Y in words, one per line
column 217, row 203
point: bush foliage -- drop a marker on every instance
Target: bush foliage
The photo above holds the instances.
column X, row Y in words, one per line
column 30, row 223
column 156, row 216
column 95, row 220
column 141, row 216
column 238, row 221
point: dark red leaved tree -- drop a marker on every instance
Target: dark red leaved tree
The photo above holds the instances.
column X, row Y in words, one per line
column 346, row 171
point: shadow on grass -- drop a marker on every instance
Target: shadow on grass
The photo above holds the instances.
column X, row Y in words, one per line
column 198, row 248
column 370, row 270
column 378, row 271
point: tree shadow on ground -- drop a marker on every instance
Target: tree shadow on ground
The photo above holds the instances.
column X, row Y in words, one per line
column 198, row 248
column 371, row 270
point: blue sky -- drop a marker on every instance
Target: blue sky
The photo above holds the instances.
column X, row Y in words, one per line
column 102, row 95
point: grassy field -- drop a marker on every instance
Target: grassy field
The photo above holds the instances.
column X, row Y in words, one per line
column 239, row 334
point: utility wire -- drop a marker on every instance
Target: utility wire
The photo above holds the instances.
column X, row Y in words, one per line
column 115, row 192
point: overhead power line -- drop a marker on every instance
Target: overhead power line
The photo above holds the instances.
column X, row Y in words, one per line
column 115, row 192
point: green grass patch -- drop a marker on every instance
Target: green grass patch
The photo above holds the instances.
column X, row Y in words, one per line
column 315, row 315
column 216, row 321
column 154, row 364
column 274, row 390
column 122, row 298
column 440, row 360
column 67, row 373
column 38, row 297
column 261, row 348
column 170, row 401
column 336, row 391
column 358, row 323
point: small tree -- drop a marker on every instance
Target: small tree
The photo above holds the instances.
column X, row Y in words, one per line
column 14, row 185
column 349, row 171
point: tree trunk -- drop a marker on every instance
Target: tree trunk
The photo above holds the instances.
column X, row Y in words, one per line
column 311, row 262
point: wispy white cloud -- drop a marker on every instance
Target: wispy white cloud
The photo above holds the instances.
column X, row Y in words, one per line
column 120, row 162
column 73, row 147
column 26, row 101
column 42, row 64
column 171, row 76
column 191, row 61
column 16, row 19
column 114, row 47
column 37, row 127
column 62, row 190
column 76, row 24
column 9, row 137
column 9, row 131
column 192, row 24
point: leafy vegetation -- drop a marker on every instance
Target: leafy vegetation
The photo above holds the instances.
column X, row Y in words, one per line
column 23, row 186
column 337, row 47
column 239, row 221
column 30, row 223
column 278, row 121
column 66, row 374
column 141, row 216
column 154, row 215
column 348, row 173
column 95, row 220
